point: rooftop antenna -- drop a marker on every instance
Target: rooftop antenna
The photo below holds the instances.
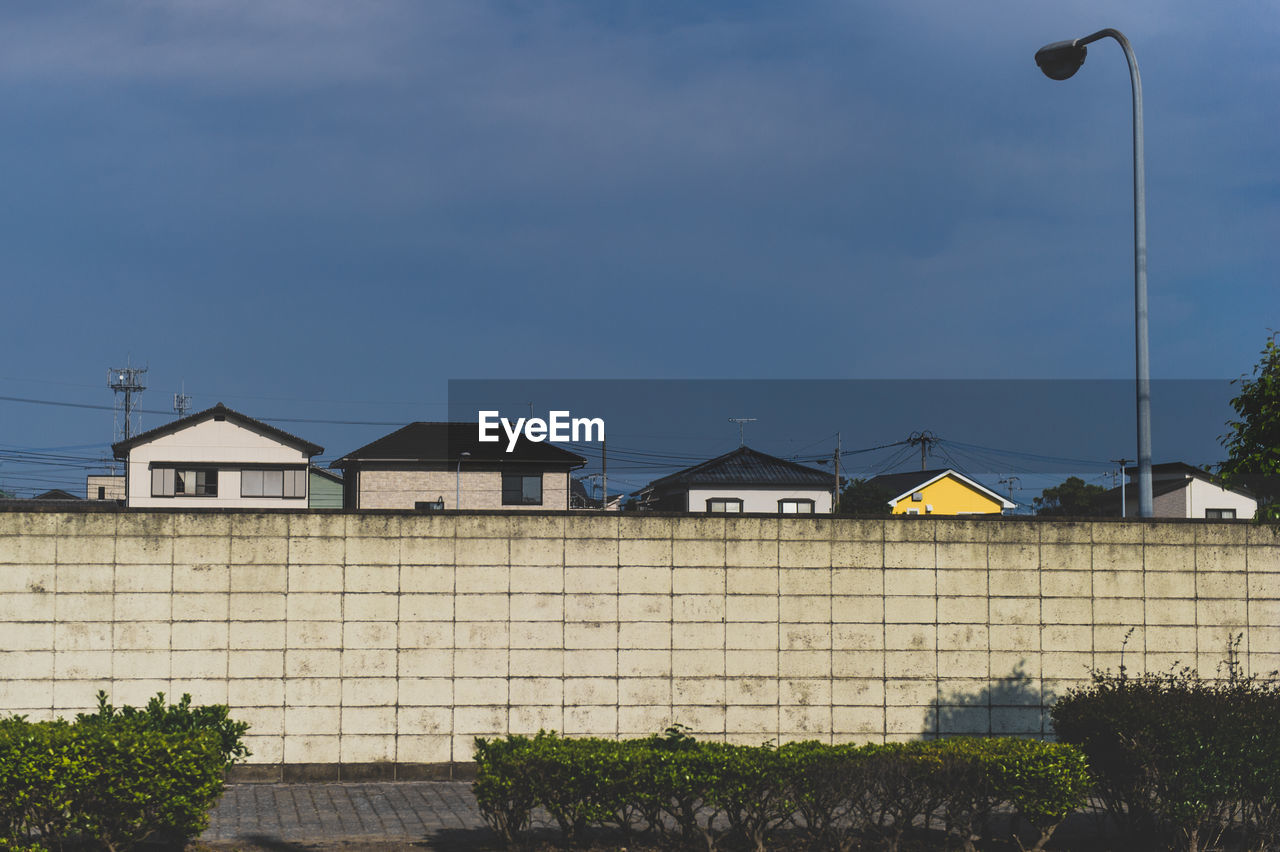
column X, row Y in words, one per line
column 127, row 384
column 182, row 401
column 740, row 421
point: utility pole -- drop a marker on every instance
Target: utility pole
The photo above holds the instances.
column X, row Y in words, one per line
column 1122, row 463
column 835, row 502
column 740, row 421
column 604, row 472
column 925, row 440
column 1010, row 480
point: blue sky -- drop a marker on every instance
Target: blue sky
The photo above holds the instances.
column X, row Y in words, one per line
column 325, row 210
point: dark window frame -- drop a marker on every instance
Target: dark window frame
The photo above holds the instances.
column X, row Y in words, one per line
column 726, row 501
column 287, row 473
column 509, row 490
column 203, row 485
column 799, row 501
column 1220, row 514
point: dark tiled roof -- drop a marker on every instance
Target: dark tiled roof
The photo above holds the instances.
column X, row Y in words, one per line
column 56, row 494
column 747, row 467
column 901, row 483
column 435, row 443
column 1178, row 473
column 121, row 448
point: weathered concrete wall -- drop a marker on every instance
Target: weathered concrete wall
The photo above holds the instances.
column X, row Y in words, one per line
column 361, row 639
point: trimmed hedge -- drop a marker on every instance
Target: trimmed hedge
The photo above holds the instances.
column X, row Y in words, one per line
column 114, row 778
column 674, row 788
column 1178, row 760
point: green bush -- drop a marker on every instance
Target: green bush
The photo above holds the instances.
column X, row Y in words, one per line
column 1178, row 758
column 828, row 784
column 179, row 718
column 503, row 788
column 114, row 778
column 708, row 795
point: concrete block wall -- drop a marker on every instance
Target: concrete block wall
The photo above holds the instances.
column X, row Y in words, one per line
column 368, row 641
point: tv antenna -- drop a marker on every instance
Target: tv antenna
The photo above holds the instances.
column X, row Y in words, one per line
column 741, row 421
column 126, row 383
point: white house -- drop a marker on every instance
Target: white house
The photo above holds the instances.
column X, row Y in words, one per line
column 1180, row 490
column 744, row 480
column 216, row 458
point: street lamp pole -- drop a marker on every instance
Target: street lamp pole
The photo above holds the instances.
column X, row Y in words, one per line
column 1059, row 61
column 457, row 481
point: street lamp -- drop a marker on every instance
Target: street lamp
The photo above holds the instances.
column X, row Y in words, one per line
column 1059, row 61
column 457, row 481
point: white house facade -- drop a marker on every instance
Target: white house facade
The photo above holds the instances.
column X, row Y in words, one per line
column 216, row 458
column 744, row 480
column 774, row 501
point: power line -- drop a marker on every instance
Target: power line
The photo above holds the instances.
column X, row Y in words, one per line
column 93, row 407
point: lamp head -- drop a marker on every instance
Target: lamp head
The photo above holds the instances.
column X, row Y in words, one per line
column 1061, row 59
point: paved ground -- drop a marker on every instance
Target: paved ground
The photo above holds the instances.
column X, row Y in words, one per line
column 379, row 815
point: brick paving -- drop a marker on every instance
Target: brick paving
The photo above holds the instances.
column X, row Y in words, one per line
column 428, row 814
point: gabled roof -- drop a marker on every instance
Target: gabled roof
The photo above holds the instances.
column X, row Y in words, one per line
column 746, row 467
column 325, row 474
column 121, row 448
column 428, row 443
column 1180, row 472
column 902, row 485
column 57, row 494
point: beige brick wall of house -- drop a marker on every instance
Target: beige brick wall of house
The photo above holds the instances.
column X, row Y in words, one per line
column 476, row 490
column 363, row 639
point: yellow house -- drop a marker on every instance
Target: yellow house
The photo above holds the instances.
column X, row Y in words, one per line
column 939, row 492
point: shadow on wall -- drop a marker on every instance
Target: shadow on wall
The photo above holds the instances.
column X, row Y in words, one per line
column 1015, row 705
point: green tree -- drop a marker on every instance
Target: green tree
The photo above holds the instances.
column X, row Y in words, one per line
column 1073, row 498
column 1253, row 439
column 864, row 497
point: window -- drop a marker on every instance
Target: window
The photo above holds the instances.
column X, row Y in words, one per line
column 519, row 489
column 795, row 507
column 1220, row 514
column 267, row 482
column 727, row 505
column 102, row 492
column 172, row 482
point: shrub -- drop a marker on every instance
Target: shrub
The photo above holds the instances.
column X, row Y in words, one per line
column 42, row 775
column 179, row 718
column 114, row 778
column 711, row 794
column 827, row 783
column 1180, row 757
column 1042, row 782
column 503, row 788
